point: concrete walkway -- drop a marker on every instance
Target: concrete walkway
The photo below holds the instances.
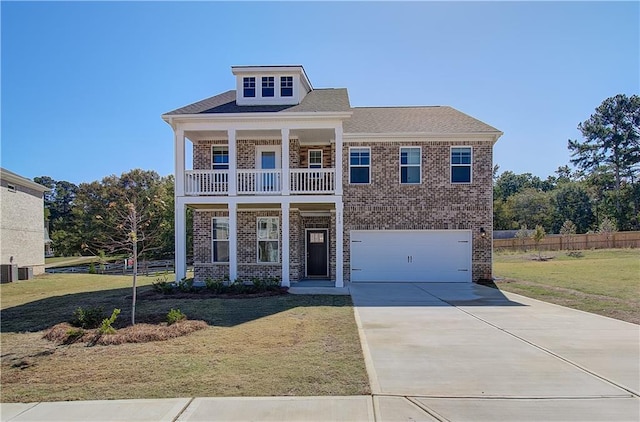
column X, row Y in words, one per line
column 464, row 352
column 436, row 352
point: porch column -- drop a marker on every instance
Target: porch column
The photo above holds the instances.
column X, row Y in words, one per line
column 285, row 245
column 233, row 164
column 339, row 244
column 233, row 241
column 286, row 184
column 338, row 160
column 179, row 162
column 180, row 240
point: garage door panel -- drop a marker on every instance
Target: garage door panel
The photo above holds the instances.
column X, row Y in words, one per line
column 411, row 256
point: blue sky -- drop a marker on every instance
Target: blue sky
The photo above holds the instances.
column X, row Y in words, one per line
column 84, row 83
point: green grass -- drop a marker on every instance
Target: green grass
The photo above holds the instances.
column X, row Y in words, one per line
column 64, row 261
column 606, row 282
column 280, row 345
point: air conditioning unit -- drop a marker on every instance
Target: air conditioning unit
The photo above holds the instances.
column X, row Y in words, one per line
column 8, row 273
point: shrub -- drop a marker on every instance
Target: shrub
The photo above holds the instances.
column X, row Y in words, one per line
column 92, row 268
column 174, row 316
column 186, row 285
column 163, row 287
column 107, row 324
column 215, row 286
column 237, row 287
column 87, row 318
column 73, row 335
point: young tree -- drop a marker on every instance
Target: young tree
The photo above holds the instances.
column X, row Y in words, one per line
column 607, row 227
column 611, row 140
column 129, row 212
column 567, row 231
column 537, row 236
column 522, row 235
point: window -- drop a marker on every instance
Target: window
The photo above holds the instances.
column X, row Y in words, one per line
column 410, row 165
column 268, row 239
column 286, row 86
column 220, row 239
column 220, row 157
column 461, row 165
column 249, row 87
column 315, row 158
column 11, row 188
column 267, row 86
column 359, row 165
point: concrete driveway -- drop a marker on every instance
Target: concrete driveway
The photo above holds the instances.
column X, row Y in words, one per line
column 464, row 352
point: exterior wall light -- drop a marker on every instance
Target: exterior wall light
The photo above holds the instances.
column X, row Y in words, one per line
column 483, row 233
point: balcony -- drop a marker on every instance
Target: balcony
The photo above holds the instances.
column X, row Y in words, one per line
column 260, row 182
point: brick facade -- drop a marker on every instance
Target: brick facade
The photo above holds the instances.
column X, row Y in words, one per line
column 384, row 204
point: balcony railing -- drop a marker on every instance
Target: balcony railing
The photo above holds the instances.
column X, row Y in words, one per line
column 260, row 182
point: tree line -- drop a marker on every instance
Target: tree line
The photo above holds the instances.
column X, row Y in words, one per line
column 135, row 211
column 603, row 188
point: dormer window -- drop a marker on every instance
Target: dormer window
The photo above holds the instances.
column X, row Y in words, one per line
column 268, row 83
column 249, row 87
column 286, row 86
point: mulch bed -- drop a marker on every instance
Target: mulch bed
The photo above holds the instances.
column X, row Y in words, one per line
column 207, row 294
column 64, row 333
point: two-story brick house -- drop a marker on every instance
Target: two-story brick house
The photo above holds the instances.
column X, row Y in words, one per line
column 291, row 181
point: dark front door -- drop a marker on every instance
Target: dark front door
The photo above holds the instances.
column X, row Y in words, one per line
column 317, row 253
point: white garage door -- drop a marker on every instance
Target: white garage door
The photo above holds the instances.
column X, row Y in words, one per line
column 411, row 255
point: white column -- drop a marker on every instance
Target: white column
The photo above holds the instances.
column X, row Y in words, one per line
column 338, row 160
column 339, row 244
column 233, row 241
column 286, row 184
column 233, row 163
column 180, row 240
column 179, row 162
column 285, row 245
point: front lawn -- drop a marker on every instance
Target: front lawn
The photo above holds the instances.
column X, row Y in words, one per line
column 279, row 345
column 605, row 281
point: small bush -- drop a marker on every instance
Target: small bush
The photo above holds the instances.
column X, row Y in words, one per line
column 73, row 335
column 215, row 286
column 575, row 254
column 237, row 287
column 87, row 318
column 174, row 316
column 92, row 268
column 107, row 324
column 186, row 285
column 163, row 287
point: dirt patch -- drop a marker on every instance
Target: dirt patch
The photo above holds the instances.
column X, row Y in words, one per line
column 64, row 333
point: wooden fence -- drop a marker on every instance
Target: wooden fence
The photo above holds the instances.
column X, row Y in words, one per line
column 556, row 242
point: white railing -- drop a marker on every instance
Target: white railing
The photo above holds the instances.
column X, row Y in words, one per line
column 206, row 182
column 313, row 180
column 259, row 181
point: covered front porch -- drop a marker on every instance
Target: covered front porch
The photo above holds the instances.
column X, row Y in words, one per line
column 295, row 238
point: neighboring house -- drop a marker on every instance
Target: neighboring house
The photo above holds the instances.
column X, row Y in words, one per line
column 22, row 233
column 290, row 181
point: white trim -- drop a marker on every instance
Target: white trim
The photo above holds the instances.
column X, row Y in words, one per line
column 213, row 261
column 259, row 199
column 233, row 241
column 470, row 165
column 359, row 166
column 278, row 260
column 309, row 158
column 400, row 165
column 306, row 252
column 421, row 136
column 285, row 245
column 326, row 213
column 339, row 244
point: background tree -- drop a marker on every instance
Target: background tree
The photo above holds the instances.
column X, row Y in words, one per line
column 611, row 141
column 59, row 206
column 537, row 236
column 567, row 231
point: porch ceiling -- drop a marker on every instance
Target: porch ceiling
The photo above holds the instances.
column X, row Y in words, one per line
column 306, row 136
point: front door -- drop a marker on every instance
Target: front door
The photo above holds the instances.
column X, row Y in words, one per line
column 317, row 251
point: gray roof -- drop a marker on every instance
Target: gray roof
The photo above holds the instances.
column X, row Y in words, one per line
column 318, row 100
column 433, row 119
column 15, row 178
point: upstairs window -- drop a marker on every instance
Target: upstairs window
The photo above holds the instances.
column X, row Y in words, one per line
column 359, row 165
column 268, row 86
column 315, row 158
column 410, row 165
column 220, row 240
column 11, row 188
column 286, row 86
column 461, row 165
column 220, row 157
column 249, row 87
